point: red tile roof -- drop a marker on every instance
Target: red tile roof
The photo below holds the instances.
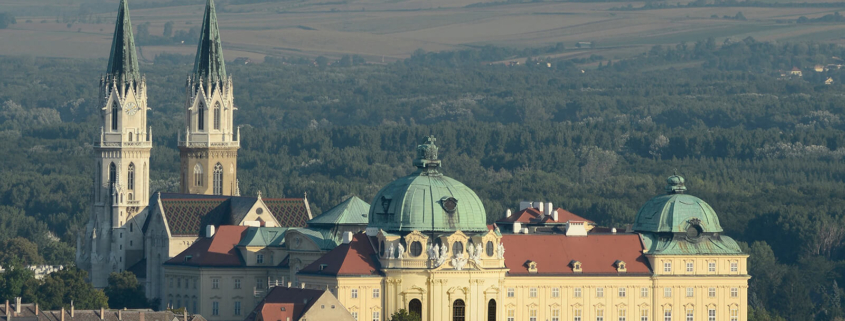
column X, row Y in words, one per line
column 534, row 216
column 219, row 250
column 554, row 252
column 355, row 258
column 296, row 302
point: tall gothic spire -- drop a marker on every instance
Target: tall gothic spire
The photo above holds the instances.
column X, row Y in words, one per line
column 209, row 64
column 123, row 60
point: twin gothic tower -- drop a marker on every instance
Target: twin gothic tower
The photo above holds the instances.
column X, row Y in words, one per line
column 208, row 145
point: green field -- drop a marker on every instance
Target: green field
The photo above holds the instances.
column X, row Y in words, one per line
column 393, row 29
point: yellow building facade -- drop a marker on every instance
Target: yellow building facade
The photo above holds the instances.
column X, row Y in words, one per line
column 424, row 252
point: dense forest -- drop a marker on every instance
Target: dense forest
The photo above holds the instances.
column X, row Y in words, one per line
column 595, row 136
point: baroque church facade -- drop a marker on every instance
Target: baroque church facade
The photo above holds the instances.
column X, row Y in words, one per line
column 129, row 229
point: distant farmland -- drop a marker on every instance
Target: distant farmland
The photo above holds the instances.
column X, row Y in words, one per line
column 393, row 29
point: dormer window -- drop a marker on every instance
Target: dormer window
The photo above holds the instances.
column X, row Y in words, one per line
column 259, row 258
column 532, row 267
column 576, row 266
column 621, row 267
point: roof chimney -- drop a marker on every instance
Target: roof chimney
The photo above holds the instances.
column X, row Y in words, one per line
column 302, row 285
column 36, row 308
column 539, row 206
column 288, row 284
column 549, row 208
column 142, row 317
column 347, row 237
column 102, row 313
column 517, row 227
column 18, row 305
column 185, row 314
column 524, row 204
column 524, row 230
column 119, row 315
column 554, row 214
column 209, row 231
column 62, row 317
column 71, row 309
column 508, row 213
column 613, row 230
column 7, row 308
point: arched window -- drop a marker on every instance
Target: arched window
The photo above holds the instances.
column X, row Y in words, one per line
column 201, row 118
column 458, row 310
column 189, row 119
column 491, row 310
column 115, row 111
column 217, row 116
column 130, row 137
column 415, row 306
column 112, row 174
column 131, row 197
column 130, row 178
column 457, row 248
column 218, row 179
column 198, row 175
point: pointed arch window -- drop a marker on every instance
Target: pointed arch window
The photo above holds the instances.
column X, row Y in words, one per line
column 112, row 174
column 130, row 178
column 115, row 111
column 201, row 118
column 198, row 175
column 218, row 179
column 217, row 116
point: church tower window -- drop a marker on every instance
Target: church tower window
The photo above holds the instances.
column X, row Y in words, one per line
column 217, row 116
column 115, row 111
column 130, row 178
column 218, row 179
column 198, row 175
column 201, row 117
column 112, row 174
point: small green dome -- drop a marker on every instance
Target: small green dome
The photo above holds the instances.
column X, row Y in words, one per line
column 677, row 212
column 427, row 200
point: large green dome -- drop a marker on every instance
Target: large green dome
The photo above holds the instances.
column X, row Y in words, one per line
column 427, row 200
column 677, row 212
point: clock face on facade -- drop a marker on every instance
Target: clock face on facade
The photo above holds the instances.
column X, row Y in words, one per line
column 131, row 108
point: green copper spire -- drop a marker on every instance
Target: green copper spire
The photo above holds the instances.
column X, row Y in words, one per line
column 123, row 61
column 209, row 62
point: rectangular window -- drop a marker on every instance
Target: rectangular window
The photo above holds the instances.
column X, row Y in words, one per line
column 215, row 283
column 555, row 314
column 511, row 315
column 734, row 266
column 354, row 293
column 510, row 292
column 237, row 283
column 667, row 266
column 667, row 315
column 577, row 293
column 690, row 292
column 734, row 292
column 237, row 307
column 170, row 282
column 599, row 314
column 711, row 314
column 623, row 314
column 644, row 292
column 599, row 292
column 711, row 266
column 259, row 284
column 355, row 316
column 532, row 315
column 259, row 258
column 667, row 292
column 178, row 283
column 215, row 308
column 689, row 267
column 555, row 292
column 532, row 292
column 376, row 315
column 576, row 315
column 644, row 315
column 622, row 292
column 690, row 315
column 375, row 293
column 711, row 292
column 734, row 314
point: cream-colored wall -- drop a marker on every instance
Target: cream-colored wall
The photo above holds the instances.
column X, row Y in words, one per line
column 253, row 286
column 327, row 307
column 364, row 304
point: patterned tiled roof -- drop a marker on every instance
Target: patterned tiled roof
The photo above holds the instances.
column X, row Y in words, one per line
column 290, row 212
column 187, row 214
